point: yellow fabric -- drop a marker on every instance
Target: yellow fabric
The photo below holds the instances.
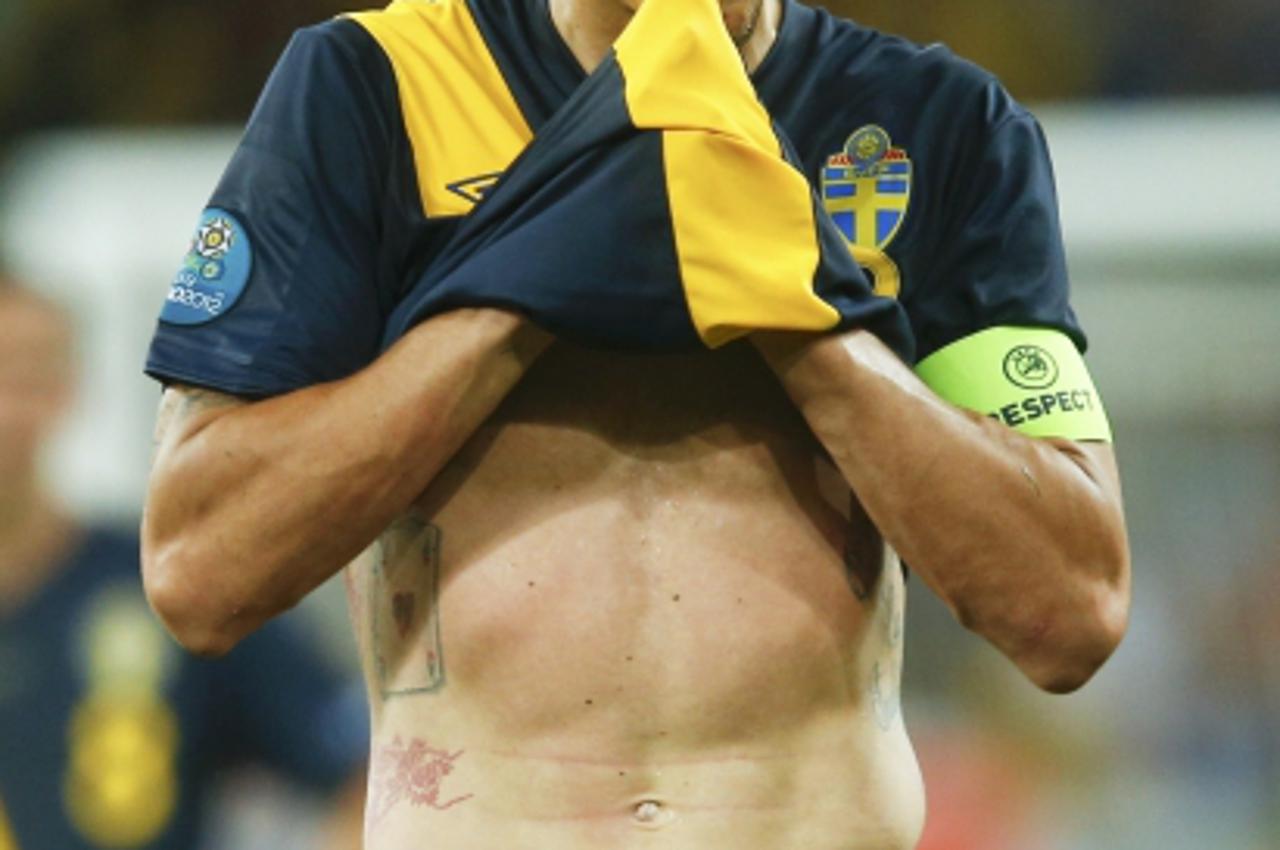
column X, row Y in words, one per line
column 683, row 72
column 743, row 218
column 1031, row 379
column 461, row 117
column 7, row 841
column 121, row 788
column 744, row 237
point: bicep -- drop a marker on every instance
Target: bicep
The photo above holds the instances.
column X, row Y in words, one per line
column 186, row 410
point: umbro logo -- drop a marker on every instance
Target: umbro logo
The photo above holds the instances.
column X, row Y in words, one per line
column 474, row 189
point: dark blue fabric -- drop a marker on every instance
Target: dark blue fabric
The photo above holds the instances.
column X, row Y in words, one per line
column 272, row 701
column 981, row 244
column 326, row 186
column 545, row 239
column 578, row 235
column 323, row 182
column 536, row 63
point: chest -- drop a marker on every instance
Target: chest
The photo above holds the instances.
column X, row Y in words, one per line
column 726, row 396
column 639, row 441
column 857, row 142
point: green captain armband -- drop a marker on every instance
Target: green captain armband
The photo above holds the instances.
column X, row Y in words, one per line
column 1031, row 379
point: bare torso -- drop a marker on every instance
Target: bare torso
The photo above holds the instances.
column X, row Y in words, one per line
column 637, row 610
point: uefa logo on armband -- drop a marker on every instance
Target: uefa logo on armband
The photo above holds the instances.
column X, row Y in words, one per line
column 214, row 272
column 1030, row 367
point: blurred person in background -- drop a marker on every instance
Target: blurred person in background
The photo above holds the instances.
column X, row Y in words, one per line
column 110, row 735
column 1228, row 745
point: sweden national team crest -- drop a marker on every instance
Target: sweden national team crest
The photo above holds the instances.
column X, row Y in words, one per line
column 866, row 188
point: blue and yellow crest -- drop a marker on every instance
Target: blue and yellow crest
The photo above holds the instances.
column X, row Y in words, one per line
column 214, row 273
column 866, row 188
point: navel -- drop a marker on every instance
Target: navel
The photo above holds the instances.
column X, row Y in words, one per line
column 650, row 812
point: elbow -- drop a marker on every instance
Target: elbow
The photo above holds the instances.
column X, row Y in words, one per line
column 187, row 613
column 1060, row 637
column 191, row 610
column 1068, row 669
column 1063, row 659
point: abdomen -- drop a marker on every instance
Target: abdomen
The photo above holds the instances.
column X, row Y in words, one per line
column 640, row 592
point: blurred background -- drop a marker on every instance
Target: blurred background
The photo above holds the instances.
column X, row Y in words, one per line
column 1164, row 117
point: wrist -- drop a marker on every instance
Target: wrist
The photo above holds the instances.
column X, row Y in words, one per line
column 845, row 369
column 480, row 328
column 527, row 339
column 786, row 351
column 782, row 350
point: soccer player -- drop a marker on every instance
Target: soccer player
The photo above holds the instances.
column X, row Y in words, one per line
column 112, row 736
column 617, row 599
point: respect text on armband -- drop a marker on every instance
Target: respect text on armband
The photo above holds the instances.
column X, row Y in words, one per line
column 1039, row 406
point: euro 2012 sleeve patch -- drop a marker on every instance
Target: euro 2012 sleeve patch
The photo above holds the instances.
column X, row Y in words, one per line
column 214, row 273
column 1031, row 379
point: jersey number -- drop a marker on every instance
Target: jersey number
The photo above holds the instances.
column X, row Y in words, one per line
column 885, row 277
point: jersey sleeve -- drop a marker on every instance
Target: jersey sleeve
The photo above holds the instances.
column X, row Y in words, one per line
column 994, row 326
column 283, row 286
column 999, row 258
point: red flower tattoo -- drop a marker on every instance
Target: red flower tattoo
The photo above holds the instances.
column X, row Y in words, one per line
column 415, row 773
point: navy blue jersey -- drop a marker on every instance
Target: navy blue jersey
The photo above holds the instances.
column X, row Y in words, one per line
column 379, row 134
column 110, row 735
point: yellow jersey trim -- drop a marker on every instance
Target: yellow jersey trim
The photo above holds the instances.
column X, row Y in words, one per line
column 462, row 120
column 743, row 218
column 7, row 839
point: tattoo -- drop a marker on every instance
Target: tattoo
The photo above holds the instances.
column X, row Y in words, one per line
column 414, row 773
column 880, row 590
column 884, row 697
column 179, row 404
column 402, row 605
column 893, row 612
column 886, row 674
column 354, row 579
column 405, row 609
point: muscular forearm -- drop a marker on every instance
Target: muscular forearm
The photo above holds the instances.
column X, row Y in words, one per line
column 251, row 506
column 1023, row 538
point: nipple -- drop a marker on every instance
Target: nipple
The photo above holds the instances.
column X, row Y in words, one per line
column 648, row 811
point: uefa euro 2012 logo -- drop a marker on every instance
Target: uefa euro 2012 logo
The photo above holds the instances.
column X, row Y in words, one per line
column 214, row 272
column 210, row 247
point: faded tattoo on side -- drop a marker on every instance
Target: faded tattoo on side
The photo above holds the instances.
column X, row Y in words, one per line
column 405, row 609
column 886, row 674
column 412, row 773
column 884, row 696
column 894, row 610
